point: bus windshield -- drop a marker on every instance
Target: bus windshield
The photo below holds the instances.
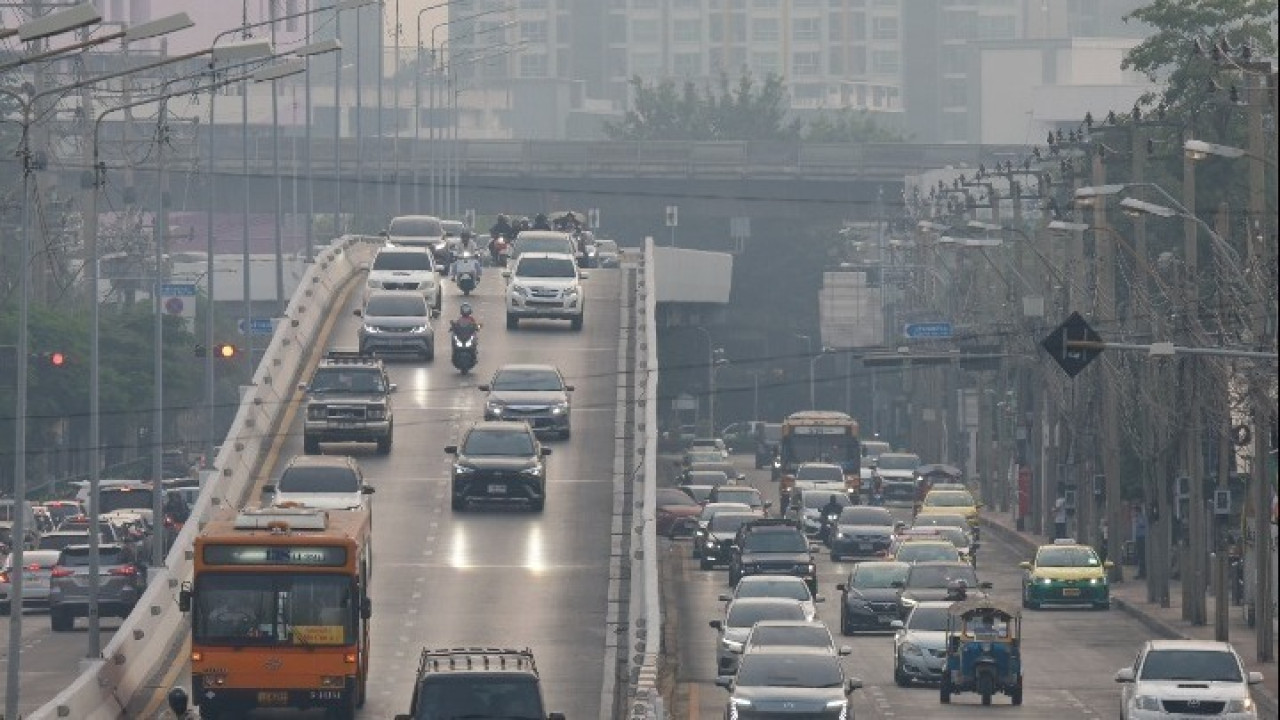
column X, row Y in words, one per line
column 273, row 609
column 839, row 449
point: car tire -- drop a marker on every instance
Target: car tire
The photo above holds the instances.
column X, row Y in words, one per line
column 210, row 712
column 384, row 445
column 900, row 678
column 575, row 323
column 704, row 565
column 513, row 322
column 429, row 354
column 60, row 620
column 734, row 578
column 310, row 445
column 458, row 504
column 1015, row 695
column 944, row 689
column 1102, row 605
column 846, row 628
column 538, row 505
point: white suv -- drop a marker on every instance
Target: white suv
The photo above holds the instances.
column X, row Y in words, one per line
column 1187, row 677
column 545, row 285
column 397, row 267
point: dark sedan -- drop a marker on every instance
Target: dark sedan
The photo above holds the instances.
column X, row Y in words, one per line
column 938, row 581
column 718, row 540
column 861, row 530
column 869, row 596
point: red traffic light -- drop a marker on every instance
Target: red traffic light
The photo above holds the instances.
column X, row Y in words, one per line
column 57, row 359
column 226, row 351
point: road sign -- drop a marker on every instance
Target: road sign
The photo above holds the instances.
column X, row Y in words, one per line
column 593, row 218
column 1072, row 360
column 256, row 326
column 178, row 299
column 929, row 330
column 673, row 215
column 469, row 217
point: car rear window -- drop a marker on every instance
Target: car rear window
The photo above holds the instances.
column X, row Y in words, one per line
column 78, row 556
column 110, row 499
column 408, row 304
column 724, row 522
column 748, row 614
column 418, row 227
column 926, row 576
column 1204, row 665
column 318, row 480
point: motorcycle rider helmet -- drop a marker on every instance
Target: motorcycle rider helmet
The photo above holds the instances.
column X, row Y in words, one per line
column 465, row 309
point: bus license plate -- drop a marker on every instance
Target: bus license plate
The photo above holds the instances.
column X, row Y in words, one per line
column 326, row 694
column 273, row 697
column 497, row 489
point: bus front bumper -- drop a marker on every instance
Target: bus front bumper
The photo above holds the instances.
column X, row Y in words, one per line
column 205, row 692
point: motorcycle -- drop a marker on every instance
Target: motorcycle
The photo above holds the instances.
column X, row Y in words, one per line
column 827, row 526
column 466, row 282
column 500, row 250
column 465, row 352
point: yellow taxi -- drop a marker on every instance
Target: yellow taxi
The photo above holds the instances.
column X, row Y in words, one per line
column 958, row 502
column 1066, row 573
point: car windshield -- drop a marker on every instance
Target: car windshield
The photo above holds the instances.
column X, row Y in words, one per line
column 957, row 536
column 546, row 267
column 704, row 455
column 925, row 552
column 800, row 671
column 873, row 448
column 111, row 499
column 407, row 304
column 779, row 542
column 949, row 498
column 711, row 510
column 813, row 636
column 940, row 576
column 818, row 500
column 749, row 496
column 940, row 520
column 820, row 473
column 531, row 380
column 897, row 462
column 795, row 589
column 402, row 261
column 672, row 496
column 1203, row 665
column 416, row 227
column 748, row 614
column 1067, row 557
column 873, row 575
column 347, row 379
column 729, row 522
column 498, row 442
column 464, row 697
column 318, row 480
column 929, row 619
column 862, row 515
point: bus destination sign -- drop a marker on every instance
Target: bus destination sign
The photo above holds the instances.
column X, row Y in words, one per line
column 304, row 556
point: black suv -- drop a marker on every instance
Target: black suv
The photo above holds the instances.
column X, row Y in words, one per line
column 501, row 461
column 347, row 401
column 773, row 546
column 477, row 682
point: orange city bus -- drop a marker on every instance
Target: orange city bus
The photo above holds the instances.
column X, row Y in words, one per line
column 818, row 436
column 280, row 611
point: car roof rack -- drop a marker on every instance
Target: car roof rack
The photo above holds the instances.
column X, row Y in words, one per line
column 352, row 357
column 475, row 658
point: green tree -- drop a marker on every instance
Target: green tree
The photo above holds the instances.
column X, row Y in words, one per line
column 1170, row 56
column 849, row 125
column 743, row 110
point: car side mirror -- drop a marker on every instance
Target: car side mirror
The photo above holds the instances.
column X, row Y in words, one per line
column 546, row 451
column 725, row 597
column 435, row 313
column 844, row 650
column 451, row 449
column 184, row 598
column 716, row 625
column 506, row 273
column 1125, row 675
column 269, row 488
column 302, row 386
column 1255, row 678
column 819, row 598
column 482, row 388
column 842, row 587
column 725, row 681
column 1024, row 565
column 384, row 233
column 357, row 312
column 896, row 625
column 1108, row 565
column 391, row 387
column 366, row 490
column 584, row 276
column 568, row 388
column 366, row 608
column 852, row 684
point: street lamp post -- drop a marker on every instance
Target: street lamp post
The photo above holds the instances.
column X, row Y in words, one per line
column 813, row 361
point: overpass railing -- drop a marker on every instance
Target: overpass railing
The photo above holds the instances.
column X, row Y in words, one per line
column 150, row 639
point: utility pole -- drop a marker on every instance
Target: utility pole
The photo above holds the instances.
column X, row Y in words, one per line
column 160, row 228
column 1107, row 388
column 1193, row 608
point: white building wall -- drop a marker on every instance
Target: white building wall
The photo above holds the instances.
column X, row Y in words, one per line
column 1009, row 80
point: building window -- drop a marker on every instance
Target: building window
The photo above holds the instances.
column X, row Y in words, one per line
column 806, row 29
column 996, row 27
column 688, row 64
column 689, row 31
column 835, row 61
column 533, row 31
column 764, row 63
column 857, row 26
column 835, row 28
column 857, row 60
column 644, row 31
column 533, row 65
column 765, row 30
column 646, row 64
column 884, row 28
column 885, row 62
column 805, row 64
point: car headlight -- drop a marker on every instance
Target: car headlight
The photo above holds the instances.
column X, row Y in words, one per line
column 841, row 536
column 837, row 704
column 571, row 292
column 495, row 408
column 520, row 290
column 377, row 413
column 908, row 602
column 808, row 568
column 1043, row 580
column 463, row 469
column 560, row 408
column 370, row 329
column 911, row 649
column 732, row 645
column 740, row 702
column 1147, row 702
column 1239, row 705
column 710, row 543
column 1098, row 581
column 531, row 472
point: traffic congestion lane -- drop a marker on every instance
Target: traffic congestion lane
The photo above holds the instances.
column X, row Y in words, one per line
column 50, row 660
column 493, row 577
column 1069, row 655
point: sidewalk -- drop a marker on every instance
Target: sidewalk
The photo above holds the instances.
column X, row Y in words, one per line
column 1130, row 596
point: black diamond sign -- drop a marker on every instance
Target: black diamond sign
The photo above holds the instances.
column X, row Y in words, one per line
column 1072, row 360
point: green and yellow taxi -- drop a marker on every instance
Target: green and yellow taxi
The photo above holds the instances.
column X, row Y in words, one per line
column 958, row 502
column 1066, row 573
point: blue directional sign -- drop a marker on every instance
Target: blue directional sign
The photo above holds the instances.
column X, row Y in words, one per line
column 927, row 331
column 178, row 290
column 255, row 326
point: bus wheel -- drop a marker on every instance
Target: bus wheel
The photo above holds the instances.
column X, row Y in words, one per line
column 348, row 709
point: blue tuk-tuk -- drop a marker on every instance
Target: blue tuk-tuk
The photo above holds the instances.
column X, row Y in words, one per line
column 984, row 653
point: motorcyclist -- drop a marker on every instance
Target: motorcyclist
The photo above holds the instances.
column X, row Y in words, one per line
column 540, row 222
column 833, row 506
column 465, row 324
column 466, row 261
column 501, row 228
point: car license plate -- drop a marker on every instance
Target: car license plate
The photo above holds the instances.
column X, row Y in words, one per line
column 1070, row 592
column 864, row 547
column 30, row 578
column 497, row 489
column 273, row 697
column 346, row 426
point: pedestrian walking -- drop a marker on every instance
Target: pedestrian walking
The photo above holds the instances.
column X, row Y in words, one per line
column 1140, row 539
column 1059, row 518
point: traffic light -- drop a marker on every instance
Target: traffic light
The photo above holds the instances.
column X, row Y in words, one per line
column 225, row 351
column 52, row 358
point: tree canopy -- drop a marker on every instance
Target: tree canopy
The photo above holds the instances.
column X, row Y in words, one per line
column 729, row 110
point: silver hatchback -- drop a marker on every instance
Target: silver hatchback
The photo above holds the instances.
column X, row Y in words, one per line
column 120, row 584
column 37, row 567
column 397, row 321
